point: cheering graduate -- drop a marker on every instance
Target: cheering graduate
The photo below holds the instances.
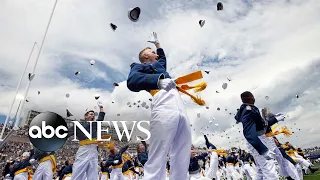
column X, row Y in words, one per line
column 47, row 166
column 248, row 170
column 231, row 161
column 292, row 152
column 254, row 132
column 116, row 160
column 142, row 151
column 194, row 167
column 86, row 162
column 213, row 167
column 105, row 174
column 286, row 168
column 169, row 125
column 22, row 170
column 128, row 169
column 67, row 171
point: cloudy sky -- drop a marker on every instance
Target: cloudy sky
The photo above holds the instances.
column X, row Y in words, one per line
column 270, row 48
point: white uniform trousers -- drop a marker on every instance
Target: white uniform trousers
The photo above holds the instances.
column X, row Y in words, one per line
column 21, row 176
column 116, row 174
column 44, row 171
column 266, row 169
column 86, row 163
column 249, row 171
column 170, row 131
column 285, row 168
column 212, row 170
column 104, row 177
column 130, row 177
column 299, row 170
column 232, row 173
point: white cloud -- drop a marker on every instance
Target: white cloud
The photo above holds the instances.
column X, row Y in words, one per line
column 271, row 48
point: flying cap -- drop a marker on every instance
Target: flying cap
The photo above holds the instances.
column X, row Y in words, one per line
column 219, row 6
column 113, row 27
column 202, row 22
column 134, row 14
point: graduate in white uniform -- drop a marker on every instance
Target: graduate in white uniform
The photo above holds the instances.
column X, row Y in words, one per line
column 169, row 124
column 86, row 161
column 254, row 132
column 22, row 170
column 47, row 167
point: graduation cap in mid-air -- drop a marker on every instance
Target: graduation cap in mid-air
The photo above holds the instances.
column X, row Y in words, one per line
column 207, row 107
column 67, row 95
column 218, row 109
column 76, row 73
column 207, row 72
column 150, row 99
column 97, row 96
column 217, row 91
column 219, row 6
column 31, row 76
column 115, row 84
column 202, row 22
column 118, row 114
column 297, row 96
column 68, row 113
column 229, row 79
column 113, row 27
column 134, row 14
column 92, row 62
column 143, row 104
column 224, row 86
column 38, row 92
column 27, row 100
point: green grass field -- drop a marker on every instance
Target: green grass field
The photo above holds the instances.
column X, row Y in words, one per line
column 314, row 176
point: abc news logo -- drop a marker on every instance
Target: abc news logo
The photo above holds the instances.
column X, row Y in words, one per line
column 48, row 131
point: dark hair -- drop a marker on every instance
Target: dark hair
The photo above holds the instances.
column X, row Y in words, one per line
column 246, row 96
column 88, row 112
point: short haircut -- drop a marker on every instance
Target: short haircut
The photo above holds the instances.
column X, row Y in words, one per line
column 141, row 53
column 88, row 112
column 246, row 96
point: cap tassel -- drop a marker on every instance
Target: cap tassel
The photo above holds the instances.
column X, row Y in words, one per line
column 197, row 88
column 285, row 131
column 197, row 100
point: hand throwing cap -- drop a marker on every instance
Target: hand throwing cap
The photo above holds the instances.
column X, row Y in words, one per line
column 134, row 14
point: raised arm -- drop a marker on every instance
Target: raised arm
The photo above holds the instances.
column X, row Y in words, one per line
column 208, row 144
column 162, row 57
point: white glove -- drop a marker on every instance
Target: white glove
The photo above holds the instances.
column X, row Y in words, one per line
column 280, row 117
column 115, row 161
column 166, row 84
column 154, row 38
column 100, row 104
column 269, row 155
column 32, row 161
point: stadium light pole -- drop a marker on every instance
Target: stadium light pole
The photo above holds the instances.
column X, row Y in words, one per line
column 16, row 93
column 35, row 65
